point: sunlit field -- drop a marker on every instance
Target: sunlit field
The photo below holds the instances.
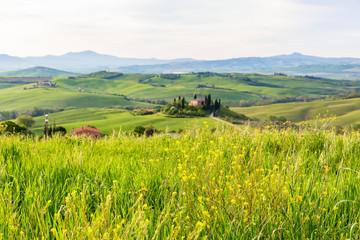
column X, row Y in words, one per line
column 222, row 184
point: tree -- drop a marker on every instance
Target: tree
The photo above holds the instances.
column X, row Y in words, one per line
column 25, row 120
column 195, row 96
column 183, row 103
column 139, row 130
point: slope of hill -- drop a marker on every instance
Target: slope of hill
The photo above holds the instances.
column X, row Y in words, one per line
column 38, row 72
column 347, row 111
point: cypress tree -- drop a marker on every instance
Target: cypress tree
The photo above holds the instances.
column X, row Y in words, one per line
column 206, row 102
column 209, row 102
column 53, row 129
column 216, row 105
column 183, row 103
column 50, row 131
column 195, row 96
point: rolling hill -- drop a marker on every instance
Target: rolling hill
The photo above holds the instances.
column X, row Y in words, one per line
column 39, row 72
column 229, row 87
column 123, row 89
column 15, row 97
column 347, row 111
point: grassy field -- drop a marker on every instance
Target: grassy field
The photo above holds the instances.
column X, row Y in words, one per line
column 225, row 184
column 347, row 111
column 110, row 120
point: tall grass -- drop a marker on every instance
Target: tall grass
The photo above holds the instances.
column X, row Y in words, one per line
column 221, row 185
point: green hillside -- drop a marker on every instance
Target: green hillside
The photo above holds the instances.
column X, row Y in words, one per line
column 228, row 87
column 347, row 111
column 108, row 120
column 39, row 72
column 14, row 97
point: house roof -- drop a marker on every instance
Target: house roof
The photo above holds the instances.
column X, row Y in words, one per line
column 88, row 129
column 149, row 110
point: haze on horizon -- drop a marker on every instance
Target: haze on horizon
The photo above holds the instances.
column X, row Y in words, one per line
column 201, row 29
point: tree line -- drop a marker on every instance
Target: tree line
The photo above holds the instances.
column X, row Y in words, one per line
column 34, row 112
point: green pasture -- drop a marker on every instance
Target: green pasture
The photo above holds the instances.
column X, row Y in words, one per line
column 202, row 184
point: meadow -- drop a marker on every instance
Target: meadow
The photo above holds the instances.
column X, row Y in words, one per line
column 222, row 184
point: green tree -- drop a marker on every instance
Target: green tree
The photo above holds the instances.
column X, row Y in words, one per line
column 25, row 120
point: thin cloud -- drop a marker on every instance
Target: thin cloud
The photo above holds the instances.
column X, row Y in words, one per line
column 205, row 29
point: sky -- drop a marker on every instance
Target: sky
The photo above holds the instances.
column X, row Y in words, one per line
column 166, row 29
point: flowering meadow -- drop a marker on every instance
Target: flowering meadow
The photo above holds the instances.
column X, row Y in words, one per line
column 202, row 184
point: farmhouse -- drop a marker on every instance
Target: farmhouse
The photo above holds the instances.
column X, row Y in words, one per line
column 197, row 102
column 86, row 131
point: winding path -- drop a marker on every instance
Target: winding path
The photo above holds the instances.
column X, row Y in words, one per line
column 220, row 120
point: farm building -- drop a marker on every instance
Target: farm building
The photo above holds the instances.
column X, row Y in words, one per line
column 86, row 131
column 197, row 102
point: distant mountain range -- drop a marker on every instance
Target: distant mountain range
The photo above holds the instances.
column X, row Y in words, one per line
column 89, row 61
column 288, row 63
column 83, row 62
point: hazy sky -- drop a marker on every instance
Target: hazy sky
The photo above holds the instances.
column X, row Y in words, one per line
column 203, row 29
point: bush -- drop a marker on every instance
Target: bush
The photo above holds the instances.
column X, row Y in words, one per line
column 11, row 127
